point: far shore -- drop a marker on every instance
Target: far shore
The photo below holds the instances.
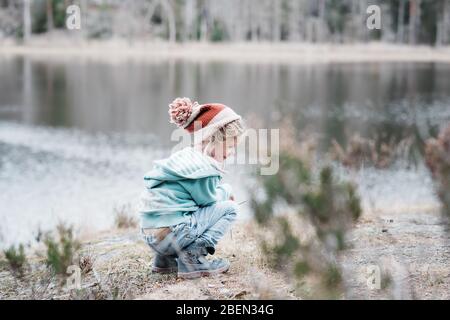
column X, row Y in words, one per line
column 292, row 53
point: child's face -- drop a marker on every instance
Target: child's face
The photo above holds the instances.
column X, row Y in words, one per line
column 222, row 150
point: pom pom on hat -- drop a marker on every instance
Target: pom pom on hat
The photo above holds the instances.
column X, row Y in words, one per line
column 181, row 110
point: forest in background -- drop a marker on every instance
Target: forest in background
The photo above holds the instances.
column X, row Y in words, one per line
column 313, row 21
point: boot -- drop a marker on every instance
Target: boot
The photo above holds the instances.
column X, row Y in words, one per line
column 192, row 262
column 164, row 264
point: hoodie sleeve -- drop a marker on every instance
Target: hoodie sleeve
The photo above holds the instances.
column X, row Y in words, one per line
column 224, row 192
column 203, row 191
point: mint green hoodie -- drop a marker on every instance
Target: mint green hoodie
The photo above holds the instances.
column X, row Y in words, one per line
column 180, row 185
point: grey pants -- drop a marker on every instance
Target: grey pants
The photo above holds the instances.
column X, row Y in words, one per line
column 208, row 223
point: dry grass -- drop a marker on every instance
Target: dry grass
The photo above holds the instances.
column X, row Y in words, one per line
column 414, row 252
column 248, row 278
column 117, row 265
column 123, row 217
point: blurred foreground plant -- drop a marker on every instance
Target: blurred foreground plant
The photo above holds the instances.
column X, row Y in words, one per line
column 438, row 160
column 16, row 260
column 305, row 214
column 61, row 250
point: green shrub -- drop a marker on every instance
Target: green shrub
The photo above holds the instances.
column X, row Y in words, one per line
column 323, row 204
column 16, row 259
column 218, row 32
column 61, row 251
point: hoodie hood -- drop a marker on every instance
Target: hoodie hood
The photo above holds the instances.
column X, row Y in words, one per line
column 187, row 163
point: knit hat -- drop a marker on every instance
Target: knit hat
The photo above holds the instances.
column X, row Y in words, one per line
column 204, row 119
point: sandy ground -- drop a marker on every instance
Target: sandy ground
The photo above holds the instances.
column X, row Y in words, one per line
column 303, row 53
column 411, row 249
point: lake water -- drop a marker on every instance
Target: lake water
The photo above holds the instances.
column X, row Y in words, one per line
column 76, row 137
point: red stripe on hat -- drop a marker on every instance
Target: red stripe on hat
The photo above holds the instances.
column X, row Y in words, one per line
column 207, row 113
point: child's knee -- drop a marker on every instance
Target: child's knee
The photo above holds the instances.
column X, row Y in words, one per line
column 229, row 208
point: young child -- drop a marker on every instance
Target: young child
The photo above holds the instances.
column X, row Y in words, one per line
column 185, row 210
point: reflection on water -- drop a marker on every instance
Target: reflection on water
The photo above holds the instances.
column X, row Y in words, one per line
column 77, row 136
column 133, row 96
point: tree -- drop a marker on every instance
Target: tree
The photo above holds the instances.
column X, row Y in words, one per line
column 49, row 11
column 446, row 22
column 404, row 21
column 414, row 20
column 190, row 14
column 26, row 20
column 170, row 13
column 204, row 17
column 443, row 22
column 401, row 21
column 276, row 27
column 294, row 20
column 321, row 32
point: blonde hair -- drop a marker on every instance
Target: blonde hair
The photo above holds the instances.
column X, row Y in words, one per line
column 232, row 129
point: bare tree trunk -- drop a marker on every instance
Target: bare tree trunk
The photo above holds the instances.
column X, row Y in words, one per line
column 242, row 23
column 302, row 20
column 276, row 28
column 414, row 20
column 190, row 12
column 401, row 22
column 204, row 22
column 294, row 20
column 446, row 22
column 236, row 25
column 439, row 24
column 265, row 17
column 321, row 32
column 171, row 19
column 388, row 28
column 418, row 20
column 50, row 23
column 309, row 23
column 363, row 32
column 354, row 26
column 26, row 20
column 84, row 8
column 253, row 19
